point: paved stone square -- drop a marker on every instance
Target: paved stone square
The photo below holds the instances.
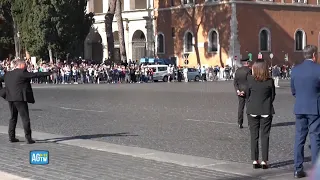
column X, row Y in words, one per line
column 197, row 119
column 75, row 163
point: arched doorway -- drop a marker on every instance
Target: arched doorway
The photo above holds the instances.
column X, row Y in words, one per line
column 138, row 45
column 117, row 56
column 96, row 47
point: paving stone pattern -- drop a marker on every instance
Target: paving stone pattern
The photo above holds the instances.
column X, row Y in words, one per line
column 154, row 116
column 74, row 163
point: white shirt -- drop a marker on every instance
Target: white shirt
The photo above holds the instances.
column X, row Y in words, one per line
column 185, row 70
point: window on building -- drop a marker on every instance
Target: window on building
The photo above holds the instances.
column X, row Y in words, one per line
column 187, row 1
column 300, row 40
column 213, row 42
column 140, row 4
column 160, row 43
column 173, row 32
column 98, row 6
column 318, row 2
column 265, row 40
column 172, row 2
column 188, row 42
column 300, row 1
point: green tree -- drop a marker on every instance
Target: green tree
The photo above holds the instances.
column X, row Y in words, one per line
column 72, row 24
column 6, row 29
column 55, row 25
column 28, row 16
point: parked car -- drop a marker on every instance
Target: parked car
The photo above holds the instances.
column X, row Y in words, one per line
column 160, row 72
column 193, row 74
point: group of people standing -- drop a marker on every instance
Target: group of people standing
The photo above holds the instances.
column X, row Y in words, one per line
column 255, row 88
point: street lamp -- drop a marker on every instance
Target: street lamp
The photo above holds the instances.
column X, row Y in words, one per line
column 271, row 57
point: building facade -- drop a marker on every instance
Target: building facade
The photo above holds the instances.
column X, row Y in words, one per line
column 210, row 32
column 214, row 32
column 138, row 30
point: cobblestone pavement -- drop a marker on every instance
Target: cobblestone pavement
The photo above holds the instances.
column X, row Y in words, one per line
column 74, row 163
column 196, row 119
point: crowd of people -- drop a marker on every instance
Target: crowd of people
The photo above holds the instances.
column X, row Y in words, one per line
column 80, row 72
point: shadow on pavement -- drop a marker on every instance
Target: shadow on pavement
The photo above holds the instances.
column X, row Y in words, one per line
column 286, row 163
column 274, row 171
column 35, row 110
column 283, row 124
column 91, row 136
column 241, row 178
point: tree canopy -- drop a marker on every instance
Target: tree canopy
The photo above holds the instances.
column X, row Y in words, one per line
column 6, row 29
column 59, row 25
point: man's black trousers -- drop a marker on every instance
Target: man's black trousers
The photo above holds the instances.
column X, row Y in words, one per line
column 242, row 103
column 23, row 110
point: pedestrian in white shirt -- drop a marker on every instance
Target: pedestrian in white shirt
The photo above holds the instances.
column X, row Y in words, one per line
column 185, row 74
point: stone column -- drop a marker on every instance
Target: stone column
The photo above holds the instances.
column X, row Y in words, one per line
column 105, row 6
column 234, row 45
column 90, row 6
column 129, row 5
column 150, row 37
column 127, row 38
column 149, row 4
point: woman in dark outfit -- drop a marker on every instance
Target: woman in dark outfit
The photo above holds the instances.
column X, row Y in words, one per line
column 260, row 111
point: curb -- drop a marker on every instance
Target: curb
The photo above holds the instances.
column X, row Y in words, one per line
column 7, row 176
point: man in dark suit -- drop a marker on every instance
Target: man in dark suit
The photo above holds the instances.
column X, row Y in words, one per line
column 305, row 87
column 241, row 87
column 18, row 92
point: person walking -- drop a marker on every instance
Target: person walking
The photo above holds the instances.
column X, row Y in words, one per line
column 18, row 92
column 260, row 111
column 305, row 87
column 241, row 86
column 276, row 75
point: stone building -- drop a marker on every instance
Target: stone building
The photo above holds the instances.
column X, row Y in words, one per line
column 138, row 30
column 222, row 32
column 213, row 32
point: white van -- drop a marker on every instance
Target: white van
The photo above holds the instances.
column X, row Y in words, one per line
column 160, row 72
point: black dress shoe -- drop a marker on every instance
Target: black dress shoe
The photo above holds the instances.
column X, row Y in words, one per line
column 240, row 126
column 264, row 165
column 30, row 141
column 299, row 174
column 13, row 140
column 256, row 165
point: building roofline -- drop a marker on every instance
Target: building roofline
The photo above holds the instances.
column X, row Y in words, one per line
column 302, row 5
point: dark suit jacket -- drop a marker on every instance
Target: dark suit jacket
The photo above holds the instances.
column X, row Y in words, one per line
column 305, row 86
column 18, row 87
column 241, row 79
column 260, row 97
